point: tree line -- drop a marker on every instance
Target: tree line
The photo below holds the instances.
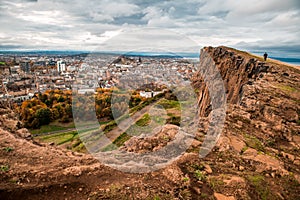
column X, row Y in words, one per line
column 54, row 105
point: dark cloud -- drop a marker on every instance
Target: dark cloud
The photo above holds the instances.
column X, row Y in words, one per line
column 135, row 19
column 8, row 47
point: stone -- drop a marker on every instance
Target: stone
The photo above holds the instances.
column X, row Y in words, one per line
column 290, row 115
column 273, row 174
column 197, row 190
column 219, row 196
column 24, row 133
column 237, row 143
column 207, row 169
column 235, row 180
column 288, row 156
column 75, row 171
column 250, row 152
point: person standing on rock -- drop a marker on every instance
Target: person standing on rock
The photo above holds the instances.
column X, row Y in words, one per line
column 265, row 56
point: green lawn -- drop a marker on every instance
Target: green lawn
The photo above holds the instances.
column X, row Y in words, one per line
column 144, row 121
column 48, row 128
column 167, row 104
column 59, row 138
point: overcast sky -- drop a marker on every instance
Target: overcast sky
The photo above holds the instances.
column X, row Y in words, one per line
column 256, row 25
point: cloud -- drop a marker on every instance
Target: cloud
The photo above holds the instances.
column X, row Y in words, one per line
column 77, row 24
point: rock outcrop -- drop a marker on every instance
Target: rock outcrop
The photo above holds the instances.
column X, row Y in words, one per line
column 260, row 138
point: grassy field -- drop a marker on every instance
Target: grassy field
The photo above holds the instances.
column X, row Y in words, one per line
column 59, row 138
column 71, row 140
column 54, row 126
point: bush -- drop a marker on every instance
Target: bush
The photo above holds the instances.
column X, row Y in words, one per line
column 43, row 115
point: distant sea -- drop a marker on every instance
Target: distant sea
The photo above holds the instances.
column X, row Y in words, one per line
column 293, row 61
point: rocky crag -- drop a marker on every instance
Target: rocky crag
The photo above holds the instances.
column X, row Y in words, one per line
column 256, row 156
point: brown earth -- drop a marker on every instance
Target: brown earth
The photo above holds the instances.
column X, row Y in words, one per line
column 256, row 157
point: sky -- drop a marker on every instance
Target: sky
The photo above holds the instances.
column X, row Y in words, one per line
column 170, row 25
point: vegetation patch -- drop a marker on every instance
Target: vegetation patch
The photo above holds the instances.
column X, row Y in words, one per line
column 117, row 143
column 167, row 104
column 199, row 175
column 144, row 121
column 287, row 88
column 254, row 143
column 260, row 186
column 121, row 139
column 59, row 138
column 215, row 183
column 47, row 129
column 244, row 149
column 8, row 149
column 4, row 168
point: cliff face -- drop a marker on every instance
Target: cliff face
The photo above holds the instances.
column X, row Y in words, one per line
column 235, row 69
column 267, row 91
column 261, row 135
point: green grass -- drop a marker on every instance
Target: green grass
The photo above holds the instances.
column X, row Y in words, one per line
column 287, row 88
column 199, row 175
column 58, row 126
column 259, row 184
column 185, row 179
column 144, row 121
column 46, row 129
column 4, row 168
column 109, row 126
column 59, row 138
column 167, row 104
column 50, row 128
column 121, row 139
column 156, row 198
column 254, row 143
column 158, row 120
column 244, row 149
column 8, row 149
column 109, row 147
column 117, row 143
column 215, row 183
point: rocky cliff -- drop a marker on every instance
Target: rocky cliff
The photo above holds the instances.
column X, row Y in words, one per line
column 261, row 135
column 256, row 156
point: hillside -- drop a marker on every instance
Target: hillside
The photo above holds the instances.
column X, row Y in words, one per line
column 256, row 156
